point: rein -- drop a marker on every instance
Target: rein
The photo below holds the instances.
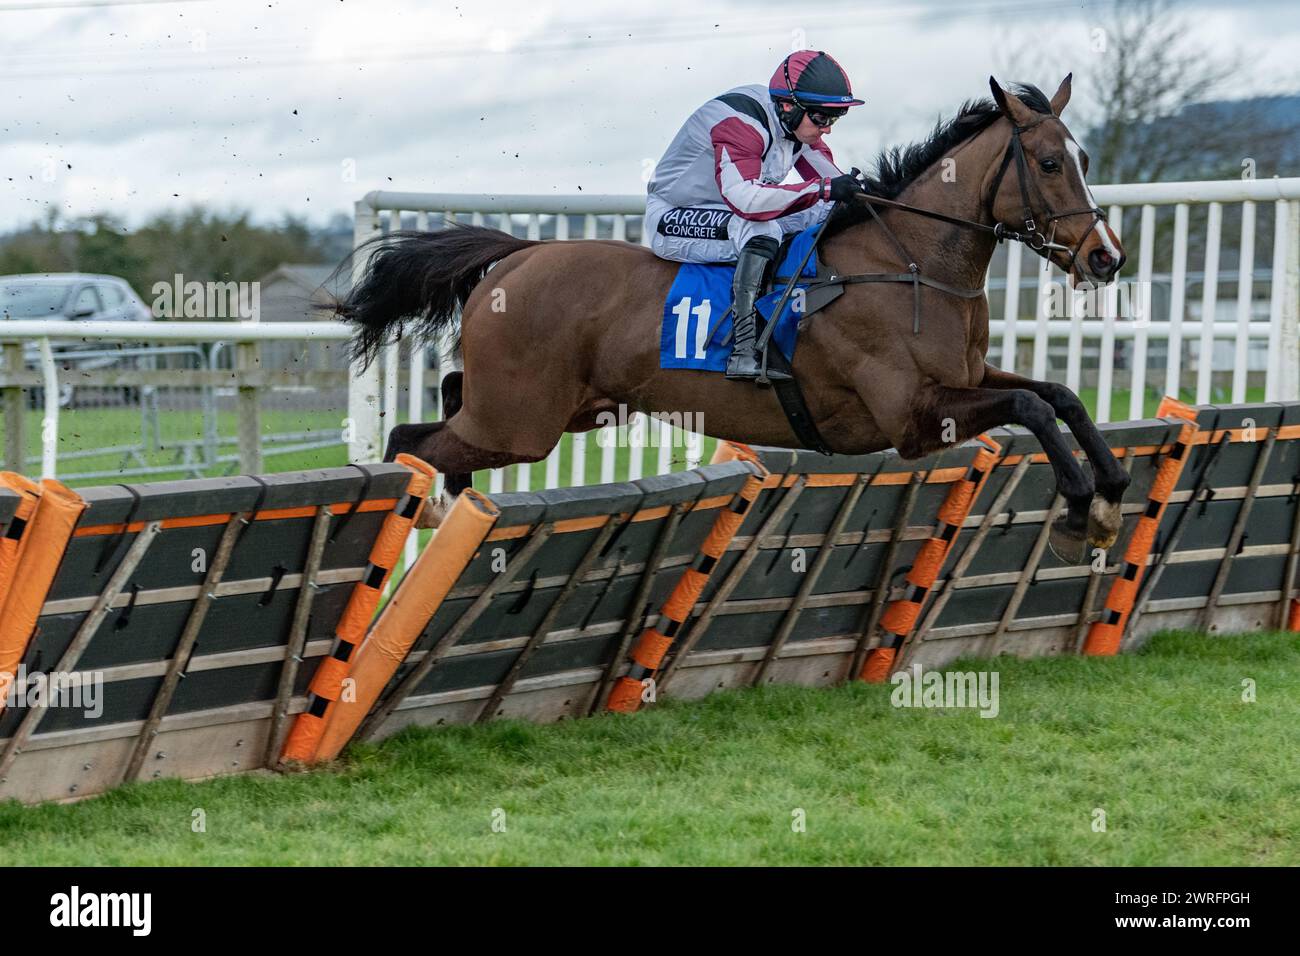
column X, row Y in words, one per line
column 1031, row 236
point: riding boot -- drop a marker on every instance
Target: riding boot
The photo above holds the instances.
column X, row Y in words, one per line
column 745, row 361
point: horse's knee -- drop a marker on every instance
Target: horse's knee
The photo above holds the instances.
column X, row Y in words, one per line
column 1031, row 411
column 1065, row 403
column 398, row 442
column 408, row 439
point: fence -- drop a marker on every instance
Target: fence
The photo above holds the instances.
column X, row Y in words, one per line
column 170, row 399
column 122, row 659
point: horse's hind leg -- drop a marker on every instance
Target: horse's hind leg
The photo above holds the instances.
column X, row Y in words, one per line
column 974, row 410
column 436, row 443
column 410, row 439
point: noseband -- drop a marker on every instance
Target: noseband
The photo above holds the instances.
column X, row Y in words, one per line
column 1032, row 236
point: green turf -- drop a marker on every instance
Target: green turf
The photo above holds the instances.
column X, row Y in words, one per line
column 1186, row 772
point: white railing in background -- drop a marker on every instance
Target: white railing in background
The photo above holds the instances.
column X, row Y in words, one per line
column 1278, row 335
column 242, row 335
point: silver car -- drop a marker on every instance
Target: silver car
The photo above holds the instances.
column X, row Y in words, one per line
column 71, row 297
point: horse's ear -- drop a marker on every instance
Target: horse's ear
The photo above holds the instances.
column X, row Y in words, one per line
column 1011, row 105
column 999, row 97
column 1061, row 96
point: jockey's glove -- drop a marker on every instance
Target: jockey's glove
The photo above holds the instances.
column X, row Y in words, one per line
column 846, row 187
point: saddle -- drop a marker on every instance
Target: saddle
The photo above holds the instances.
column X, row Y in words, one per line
column 692, row 338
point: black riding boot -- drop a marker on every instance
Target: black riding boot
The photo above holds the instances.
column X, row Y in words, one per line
column 745, row 361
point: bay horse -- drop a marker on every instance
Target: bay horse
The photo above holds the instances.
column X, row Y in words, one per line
column 559, row 332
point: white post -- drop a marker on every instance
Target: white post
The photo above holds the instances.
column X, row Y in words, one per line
column 1209, row 304
column 1074, row 349
column 1110, row 311
column 50, row 421
column 664, row 464
column 1138, row 371
column 1290, row 375
column 1040, row 323
column 1276, row 302
column 1245, row 287
column 1177, row 303
column 637, row 427
column 578, row 466
column 694, row 449
column 1011, row 308
column 608, row 452
column 365, row 442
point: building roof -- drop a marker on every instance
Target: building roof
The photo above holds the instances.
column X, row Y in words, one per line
column 310, row 278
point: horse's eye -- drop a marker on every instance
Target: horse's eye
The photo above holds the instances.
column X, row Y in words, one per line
column 1049, row 165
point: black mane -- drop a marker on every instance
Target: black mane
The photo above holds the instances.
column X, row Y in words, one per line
column 897, row 166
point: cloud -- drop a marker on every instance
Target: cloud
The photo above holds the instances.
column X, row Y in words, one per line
column 271, row 106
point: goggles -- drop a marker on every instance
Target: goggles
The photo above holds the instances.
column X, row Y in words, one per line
column 825, row 118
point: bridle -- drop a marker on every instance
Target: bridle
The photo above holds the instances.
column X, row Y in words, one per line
column 1032, row 236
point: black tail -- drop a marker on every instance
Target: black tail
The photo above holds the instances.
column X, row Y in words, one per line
column 418, row 277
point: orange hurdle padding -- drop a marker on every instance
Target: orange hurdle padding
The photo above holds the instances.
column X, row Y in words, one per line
column 29, row 559
column 1293, row 616
column 11, row 542
column 302, row 741
column 1106, row 634
column 900, row 616
column 654, row 642
column 422, row 591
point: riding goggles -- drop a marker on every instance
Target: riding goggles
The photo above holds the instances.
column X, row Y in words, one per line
column 825, row 118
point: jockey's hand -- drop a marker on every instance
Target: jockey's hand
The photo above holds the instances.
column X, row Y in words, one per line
column 846, row 187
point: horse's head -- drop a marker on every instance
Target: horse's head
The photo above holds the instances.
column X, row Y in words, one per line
column 1039, row 190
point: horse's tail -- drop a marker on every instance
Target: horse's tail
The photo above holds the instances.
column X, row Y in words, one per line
column 418, row 277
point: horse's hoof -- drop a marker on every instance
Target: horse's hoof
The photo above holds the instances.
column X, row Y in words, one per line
column 434, row 511
column 1067, row 544
column 1104, row 521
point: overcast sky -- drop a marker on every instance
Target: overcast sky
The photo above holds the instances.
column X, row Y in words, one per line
column 302, row 106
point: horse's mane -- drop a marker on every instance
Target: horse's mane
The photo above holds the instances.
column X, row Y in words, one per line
column 897, row 166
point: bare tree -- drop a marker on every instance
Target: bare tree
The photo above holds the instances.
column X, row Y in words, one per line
column 1156, row 103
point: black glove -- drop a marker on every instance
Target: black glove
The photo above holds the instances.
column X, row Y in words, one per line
column 846, row 187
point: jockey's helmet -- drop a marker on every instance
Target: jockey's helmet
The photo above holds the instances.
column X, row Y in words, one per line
column 810, row 80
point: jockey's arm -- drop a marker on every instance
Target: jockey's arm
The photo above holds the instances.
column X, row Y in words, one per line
column 738, row 166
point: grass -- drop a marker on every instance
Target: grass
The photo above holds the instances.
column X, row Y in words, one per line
column 1186, row 772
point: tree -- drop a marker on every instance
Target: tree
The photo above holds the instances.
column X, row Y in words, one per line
column 1155, row 104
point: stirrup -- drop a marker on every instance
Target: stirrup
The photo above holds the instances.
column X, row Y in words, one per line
column 744, row 364
column 747, row 365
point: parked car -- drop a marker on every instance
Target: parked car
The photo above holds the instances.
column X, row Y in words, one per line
column 70, row 297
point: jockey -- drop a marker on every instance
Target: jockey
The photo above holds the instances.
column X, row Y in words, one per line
column 718, row 194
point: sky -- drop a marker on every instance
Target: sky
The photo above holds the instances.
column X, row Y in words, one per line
column 139, row 107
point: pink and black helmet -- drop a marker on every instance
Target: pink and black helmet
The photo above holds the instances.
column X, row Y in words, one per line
column 812, row 78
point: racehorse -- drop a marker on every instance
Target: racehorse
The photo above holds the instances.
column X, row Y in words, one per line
column 560, row 332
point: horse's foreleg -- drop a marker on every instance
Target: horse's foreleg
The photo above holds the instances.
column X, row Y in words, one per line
column 969, row 411
column 1110, row 477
